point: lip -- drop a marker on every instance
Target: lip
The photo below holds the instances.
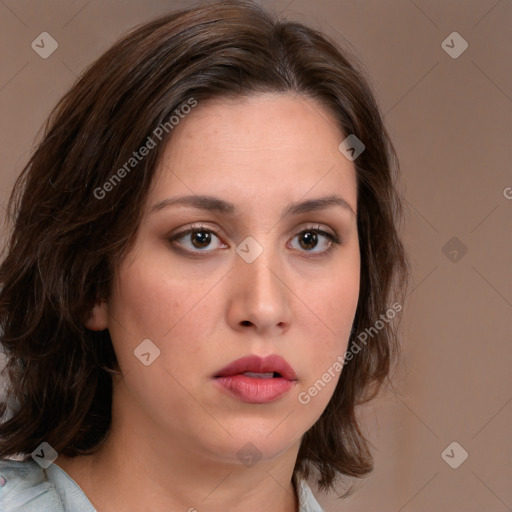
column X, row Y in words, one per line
column 256, row 364
column 256, row 390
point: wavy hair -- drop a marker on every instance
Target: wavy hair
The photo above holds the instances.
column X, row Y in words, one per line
column 65, row 244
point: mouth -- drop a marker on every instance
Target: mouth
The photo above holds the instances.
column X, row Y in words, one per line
column 256, row 380
column 269, row 375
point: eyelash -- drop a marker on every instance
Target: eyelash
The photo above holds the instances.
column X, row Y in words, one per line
column 333, row 239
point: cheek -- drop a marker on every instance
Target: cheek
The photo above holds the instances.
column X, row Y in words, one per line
column 147, row 304
column 335, row 302
column 332, row 310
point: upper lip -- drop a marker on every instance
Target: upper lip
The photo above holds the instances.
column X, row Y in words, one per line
column 256, row 364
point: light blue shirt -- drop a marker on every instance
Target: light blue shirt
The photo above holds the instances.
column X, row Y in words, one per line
column 27, row 487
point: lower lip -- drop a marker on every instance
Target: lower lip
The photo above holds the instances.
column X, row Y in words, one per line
column 253, row 390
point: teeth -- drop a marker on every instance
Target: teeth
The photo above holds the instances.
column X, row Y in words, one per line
column 259, row 375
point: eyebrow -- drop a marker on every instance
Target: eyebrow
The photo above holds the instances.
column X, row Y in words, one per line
column 210, row 203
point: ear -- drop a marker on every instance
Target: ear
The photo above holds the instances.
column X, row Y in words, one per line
column 98, row 319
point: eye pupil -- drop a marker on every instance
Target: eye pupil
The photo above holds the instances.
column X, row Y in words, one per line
column 203, row 238
column 310, row 239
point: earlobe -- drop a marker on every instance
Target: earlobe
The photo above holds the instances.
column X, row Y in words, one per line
column 98, row 319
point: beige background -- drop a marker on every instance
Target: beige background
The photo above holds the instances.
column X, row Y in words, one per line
column 450, row 119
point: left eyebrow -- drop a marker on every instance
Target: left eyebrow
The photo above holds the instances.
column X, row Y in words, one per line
column 210, row 203
column 321, row 203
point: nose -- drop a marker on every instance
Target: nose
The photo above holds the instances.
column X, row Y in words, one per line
column 260, row 296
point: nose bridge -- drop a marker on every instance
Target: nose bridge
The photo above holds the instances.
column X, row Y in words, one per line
column 264, row 294
column 262, row 270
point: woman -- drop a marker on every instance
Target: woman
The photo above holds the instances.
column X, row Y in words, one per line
column 197, row 290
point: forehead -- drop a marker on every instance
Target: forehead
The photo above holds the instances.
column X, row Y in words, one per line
column 280, row 144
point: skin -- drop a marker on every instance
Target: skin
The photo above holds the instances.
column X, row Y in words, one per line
column 175, row 436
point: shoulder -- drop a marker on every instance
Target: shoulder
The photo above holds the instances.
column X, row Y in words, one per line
column 307, row 500
column 24, row 487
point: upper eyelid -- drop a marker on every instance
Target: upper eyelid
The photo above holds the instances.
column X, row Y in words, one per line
column 333, row 237
column 215, row 231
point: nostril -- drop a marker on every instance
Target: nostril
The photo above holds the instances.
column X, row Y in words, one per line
column 246, row 323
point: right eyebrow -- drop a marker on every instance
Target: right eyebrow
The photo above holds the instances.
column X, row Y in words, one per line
column 200, row 202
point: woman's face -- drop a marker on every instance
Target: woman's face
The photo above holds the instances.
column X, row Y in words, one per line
column 259, row 276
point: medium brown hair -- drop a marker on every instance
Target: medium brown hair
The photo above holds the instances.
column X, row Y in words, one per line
column 66, row 244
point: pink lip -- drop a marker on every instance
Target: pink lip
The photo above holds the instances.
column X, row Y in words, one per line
column 256, row 390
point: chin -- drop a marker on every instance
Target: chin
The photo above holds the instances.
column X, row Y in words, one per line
column 262, row 440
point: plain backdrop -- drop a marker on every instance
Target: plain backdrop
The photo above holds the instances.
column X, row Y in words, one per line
column 448, row 108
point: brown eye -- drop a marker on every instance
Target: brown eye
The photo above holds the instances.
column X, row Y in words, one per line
column 311, row 239
column 197, row 240
column 200, row 238
column 308, row 240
